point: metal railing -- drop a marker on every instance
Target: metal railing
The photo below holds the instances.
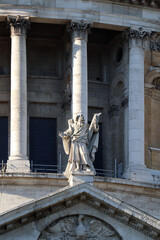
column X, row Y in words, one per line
column 44, row 168
column 3, row 166
column 106, row 173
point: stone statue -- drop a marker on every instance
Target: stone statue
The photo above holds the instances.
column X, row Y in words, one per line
column 80, row 142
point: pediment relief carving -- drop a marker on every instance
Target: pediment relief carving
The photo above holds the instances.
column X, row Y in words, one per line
column 79, row 227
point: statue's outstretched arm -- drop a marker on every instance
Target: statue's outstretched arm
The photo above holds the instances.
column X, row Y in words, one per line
column 94, row 124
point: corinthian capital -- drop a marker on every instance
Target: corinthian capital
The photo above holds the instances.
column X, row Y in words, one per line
column 18, row 24
column 136, row 37
column 79, row 28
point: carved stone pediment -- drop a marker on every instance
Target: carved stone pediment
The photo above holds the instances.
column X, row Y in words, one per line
column 80, row 227
column 74, row 208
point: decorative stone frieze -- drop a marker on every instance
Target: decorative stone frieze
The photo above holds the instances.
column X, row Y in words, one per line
column 18, row 24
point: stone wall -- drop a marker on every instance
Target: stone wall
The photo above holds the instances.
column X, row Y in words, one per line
column 152, row 114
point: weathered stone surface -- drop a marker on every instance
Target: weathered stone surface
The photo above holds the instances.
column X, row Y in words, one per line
column 110, row 211
column 80, row 227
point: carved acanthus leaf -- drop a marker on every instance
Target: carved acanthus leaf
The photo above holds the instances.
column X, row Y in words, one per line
column 136, row 34
column 18, row 24
column 80, row 26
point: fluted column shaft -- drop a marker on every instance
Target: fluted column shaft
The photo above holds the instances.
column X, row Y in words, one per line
column 79, row 68
column 136, row 102
column 18, row 160
column 136, row 162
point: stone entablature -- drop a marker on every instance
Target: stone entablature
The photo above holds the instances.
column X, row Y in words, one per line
column 114, row 13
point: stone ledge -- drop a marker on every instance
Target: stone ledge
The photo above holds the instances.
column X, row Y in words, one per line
column 53, row 178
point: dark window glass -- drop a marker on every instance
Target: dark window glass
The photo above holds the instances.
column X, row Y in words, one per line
column 3, row 139
column 43, row 144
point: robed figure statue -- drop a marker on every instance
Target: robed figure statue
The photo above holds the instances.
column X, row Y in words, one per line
column 80, row 142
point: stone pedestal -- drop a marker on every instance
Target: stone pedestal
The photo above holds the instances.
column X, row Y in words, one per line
column 80, row 177
column 79, row 68
column 18, row 160
column 136, row 164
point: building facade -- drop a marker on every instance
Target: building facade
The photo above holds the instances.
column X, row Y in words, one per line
column 61, row 58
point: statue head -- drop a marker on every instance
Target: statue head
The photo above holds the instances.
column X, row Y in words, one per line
column 80, row 119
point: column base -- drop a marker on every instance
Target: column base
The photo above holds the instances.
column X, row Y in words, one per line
column 80, row 177
column 138, row 173
column 20, row 166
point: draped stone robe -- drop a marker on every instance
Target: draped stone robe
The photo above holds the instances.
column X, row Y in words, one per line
column 81, row 143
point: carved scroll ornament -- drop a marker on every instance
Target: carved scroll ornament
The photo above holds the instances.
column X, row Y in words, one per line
column 80, row 29
column 80, row 26
column 136, row 37
column 18, row 24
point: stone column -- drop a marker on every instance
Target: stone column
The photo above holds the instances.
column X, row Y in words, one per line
column 18, row 160
column 136, row 169
column 79, row 68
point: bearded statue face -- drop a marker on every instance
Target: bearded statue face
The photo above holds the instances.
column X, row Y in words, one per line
column 80, row 120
